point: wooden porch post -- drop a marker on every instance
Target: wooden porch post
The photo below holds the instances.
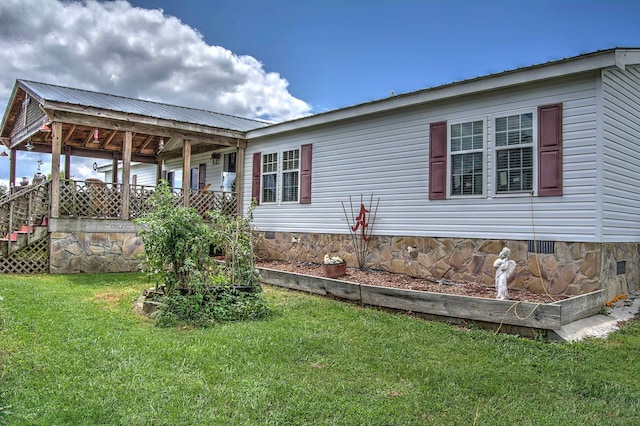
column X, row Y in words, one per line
column 114, row 168
column 56, row 148
column 186, row 171
column 242, row 144
column 12, row 170
column 158, row 171
column 126, row 172
column 67, row 162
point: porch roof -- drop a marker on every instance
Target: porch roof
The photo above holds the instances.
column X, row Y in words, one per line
column 157, row 128
column 48, row 94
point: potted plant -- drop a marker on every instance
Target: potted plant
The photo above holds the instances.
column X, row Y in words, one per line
column 333, row 267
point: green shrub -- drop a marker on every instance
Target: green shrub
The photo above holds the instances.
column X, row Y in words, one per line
column 176, row 243
column 195, row 289
column 233, row 235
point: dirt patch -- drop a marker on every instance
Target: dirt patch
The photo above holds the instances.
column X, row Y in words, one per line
column 389, row 279
column 110, row 298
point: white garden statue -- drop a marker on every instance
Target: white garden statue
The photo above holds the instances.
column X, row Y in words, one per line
column 504, row 269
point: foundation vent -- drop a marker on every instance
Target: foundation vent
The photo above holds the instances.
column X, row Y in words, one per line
column 542, row 247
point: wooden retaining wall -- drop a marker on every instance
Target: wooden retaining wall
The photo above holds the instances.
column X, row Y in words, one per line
column 541, row 316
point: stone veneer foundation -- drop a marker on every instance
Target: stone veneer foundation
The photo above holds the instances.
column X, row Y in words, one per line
column 93, row 246
column 574, row 268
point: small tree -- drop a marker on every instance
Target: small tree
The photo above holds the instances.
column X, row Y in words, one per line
column 196, row 289
column 176, row 243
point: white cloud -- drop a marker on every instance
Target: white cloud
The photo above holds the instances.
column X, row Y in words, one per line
column 116, row 48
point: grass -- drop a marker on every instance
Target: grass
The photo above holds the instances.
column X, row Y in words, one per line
column 73, row 351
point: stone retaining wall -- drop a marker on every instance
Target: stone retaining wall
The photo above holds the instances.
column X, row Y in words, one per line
column 573, row 268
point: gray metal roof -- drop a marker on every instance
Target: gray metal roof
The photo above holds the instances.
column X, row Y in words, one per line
column 53, row 93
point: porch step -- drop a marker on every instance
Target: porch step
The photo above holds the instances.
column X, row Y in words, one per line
column 14, row 235
column 20, row 239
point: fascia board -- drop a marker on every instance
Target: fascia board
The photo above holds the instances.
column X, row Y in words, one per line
column 7, row 111
column 626, row 57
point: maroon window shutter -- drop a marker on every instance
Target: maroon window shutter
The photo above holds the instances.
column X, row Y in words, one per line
column 438, row 161
column 550, row 150
column 305, row 174
column 255, row 182
column 202, row 174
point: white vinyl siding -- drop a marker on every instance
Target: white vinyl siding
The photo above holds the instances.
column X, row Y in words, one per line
column 145, row 174
column 386, row 155
column 214, row 172
column 621, row 155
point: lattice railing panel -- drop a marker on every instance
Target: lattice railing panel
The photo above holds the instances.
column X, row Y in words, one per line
column 33, row 259
column 205, row 201
column 103, row 200
column 178, row 197
column 4, row 218
column 138, row 200
column 90, row 199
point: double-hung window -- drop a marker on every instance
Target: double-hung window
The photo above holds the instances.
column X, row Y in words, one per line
column 505, row 154
column 269, row 177
column 281, row 176
column 514, row 153
column 466, row 150
column 290, row 175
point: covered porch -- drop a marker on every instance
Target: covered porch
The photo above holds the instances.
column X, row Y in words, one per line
column 71, row 123
column 75, row 123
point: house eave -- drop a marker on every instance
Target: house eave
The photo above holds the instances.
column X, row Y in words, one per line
column 564, row 67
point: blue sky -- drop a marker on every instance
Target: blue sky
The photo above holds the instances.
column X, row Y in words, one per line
column 283, row 59
column 340, row 53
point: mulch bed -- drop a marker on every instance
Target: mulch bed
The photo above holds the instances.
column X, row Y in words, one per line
column 389, row 279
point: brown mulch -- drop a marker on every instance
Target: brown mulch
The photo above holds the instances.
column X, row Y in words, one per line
column 389, row 279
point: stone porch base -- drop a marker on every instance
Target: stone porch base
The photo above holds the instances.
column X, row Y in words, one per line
column 93, row 246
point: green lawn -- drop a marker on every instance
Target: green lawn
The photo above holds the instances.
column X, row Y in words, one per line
column 73, row 351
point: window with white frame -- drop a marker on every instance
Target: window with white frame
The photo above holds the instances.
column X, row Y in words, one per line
column 269, row 177
column 281, row 176
column 514, row 153
column 466, row 150
column 290, row 175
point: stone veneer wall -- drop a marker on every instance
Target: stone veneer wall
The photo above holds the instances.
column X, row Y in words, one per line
column 574, row 268
column 93, row 246
column 620, row 283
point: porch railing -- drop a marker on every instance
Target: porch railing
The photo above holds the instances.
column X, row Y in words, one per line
column 97, row 199
column 25, row 207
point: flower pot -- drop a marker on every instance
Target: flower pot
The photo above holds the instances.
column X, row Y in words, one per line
column 334, row 270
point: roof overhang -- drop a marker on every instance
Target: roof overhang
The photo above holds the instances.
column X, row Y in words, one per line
column 152, row 136
column 90, row 116
column 590, row 62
